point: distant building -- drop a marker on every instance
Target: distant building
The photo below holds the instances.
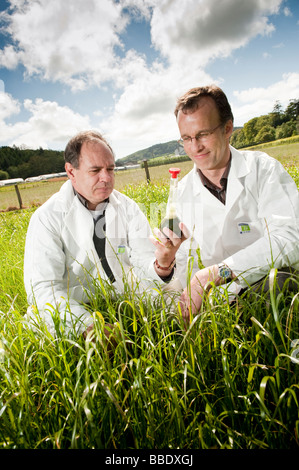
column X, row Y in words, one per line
column 12, row 181
column 45, row 177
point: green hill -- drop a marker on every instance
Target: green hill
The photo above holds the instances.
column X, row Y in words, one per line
column 158, row 150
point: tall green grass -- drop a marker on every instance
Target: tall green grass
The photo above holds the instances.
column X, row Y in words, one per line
column 229, row 381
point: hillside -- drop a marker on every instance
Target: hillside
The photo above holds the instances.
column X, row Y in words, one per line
column 158, row 150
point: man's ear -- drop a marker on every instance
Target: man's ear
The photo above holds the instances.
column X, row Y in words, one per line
column 229, row 127
column 70, row 170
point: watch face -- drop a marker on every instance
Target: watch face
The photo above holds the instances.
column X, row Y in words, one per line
column 224, row 272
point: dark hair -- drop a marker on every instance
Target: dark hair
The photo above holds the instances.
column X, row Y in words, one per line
column 73, row 149
column 189, row 101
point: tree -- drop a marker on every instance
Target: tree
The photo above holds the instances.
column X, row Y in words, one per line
column 292, row 110
column 287, row 129
column 238, row 139
column 277, row 116
column 250, row 131
column 262, row 121
column 266, row 134
column 4, row 175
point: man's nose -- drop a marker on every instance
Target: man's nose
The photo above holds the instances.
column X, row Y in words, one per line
column 104, row 175
column 196, row 144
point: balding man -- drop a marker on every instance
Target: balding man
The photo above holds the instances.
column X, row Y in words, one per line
column 86, row 234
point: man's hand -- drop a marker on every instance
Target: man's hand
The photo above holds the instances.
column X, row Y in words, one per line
column 167, row 244
column 192, row 296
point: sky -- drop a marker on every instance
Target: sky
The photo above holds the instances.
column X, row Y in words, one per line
column 118, row 66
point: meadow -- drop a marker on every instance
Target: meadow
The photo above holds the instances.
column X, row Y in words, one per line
column 228, row 381
column 34, row 194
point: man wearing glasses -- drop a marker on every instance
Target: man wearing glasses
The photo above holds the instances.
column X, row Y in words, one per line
column 241, row 207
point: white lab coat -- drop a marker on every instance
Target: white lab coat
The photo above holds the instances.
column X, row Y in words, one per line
column 61, row 263
column 255, row 230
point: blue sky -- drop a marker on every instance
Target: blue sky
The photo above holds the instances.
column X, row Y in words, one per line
column 119, row 66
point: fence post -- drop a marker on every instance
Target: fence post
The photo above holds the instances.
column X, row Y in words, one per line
column 19, row 196
column 148, row 178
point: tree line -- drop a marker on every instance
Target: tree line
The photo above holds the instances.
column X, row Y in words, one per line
column 24, row 163
column 278, row 124
column 17, row 162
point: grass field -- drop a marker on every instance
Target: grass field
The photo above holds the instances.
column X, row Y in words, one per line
column 230, row 381
column 288, row 155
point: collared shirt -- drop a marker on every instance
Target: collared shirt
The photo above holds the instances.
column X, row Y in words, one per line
column 81, row 198
column 99, row 210
column 219, row 193
column 99, row 236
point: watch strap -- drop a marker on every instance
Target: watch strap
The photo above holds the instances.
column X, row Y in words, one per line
column 163, row 268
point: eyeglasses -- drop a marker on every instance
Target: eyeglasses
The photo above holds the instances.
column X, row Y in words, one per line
column 201, row 136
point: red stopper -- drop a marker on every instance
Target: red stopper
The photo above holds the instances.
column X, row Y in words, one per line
column 174, row 172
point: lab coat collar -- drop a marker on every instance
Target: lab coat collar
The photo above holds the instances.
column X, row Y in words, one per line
column 235, row 185
column 239, row 169
column 239, row 164
column 77, row 216
column 66, row 197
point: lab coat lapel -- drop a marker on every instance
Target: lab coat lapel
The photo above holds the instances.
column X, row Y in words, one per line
column 235, row 185
column 114, row 226
column 80, row 225
column 209, row 209
column 115, row 236
column 214, row 213
column 193, row 209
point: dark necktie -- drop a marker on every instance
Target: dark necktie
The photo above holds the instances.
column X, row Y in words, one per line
column 99, row 239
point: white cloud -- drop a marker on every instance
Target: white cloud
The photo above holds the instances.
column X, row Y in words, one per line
column 77, row 43
column 8, row 106
column 49, row 125
column 183, row 29
column 70, row 41
column 258, row 101
column 188, row 33
column 287, row 12
column 9, row 57
column 143, row 114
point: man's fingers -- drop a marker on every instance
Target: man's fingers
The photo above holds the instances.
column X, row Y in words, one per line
column 155, row 242
column 175, row 239
column 185, row 313
column 160, row 235
column 184, row 231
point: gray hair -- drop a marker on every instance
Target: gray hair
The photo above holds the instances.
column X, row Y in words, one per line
column 73, row 149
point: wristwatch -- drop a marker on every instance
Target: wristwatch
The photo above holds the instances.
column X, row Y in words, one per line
column 224, row 272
